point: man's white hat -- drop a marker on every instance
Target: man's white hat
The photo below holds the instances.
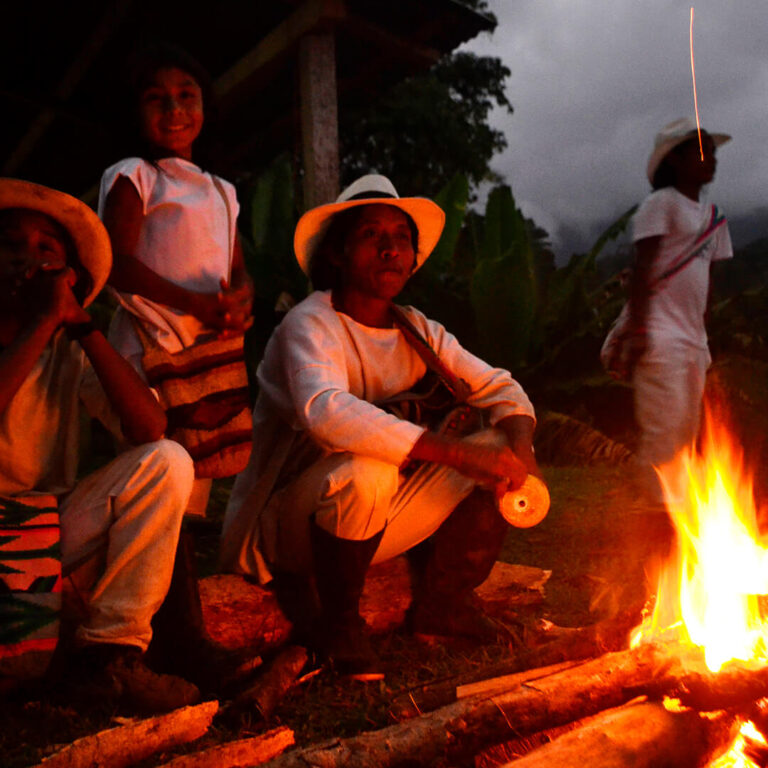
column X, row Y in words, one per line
column 369, row 190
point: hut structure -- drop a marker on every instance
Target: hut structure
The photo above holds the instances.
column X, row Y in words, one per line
column 282, row 70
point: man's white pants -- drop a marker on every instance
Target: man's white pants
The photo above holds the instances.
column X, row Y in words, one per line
column 125, row 519
column 668, row 389
column 355, row 497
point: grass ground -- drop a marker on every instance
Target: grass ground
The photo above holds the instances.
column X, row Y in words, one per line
column 597, row 540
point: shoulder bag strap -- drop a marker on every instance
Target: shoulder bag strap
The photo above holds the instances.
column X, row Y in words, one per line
column 230, row 234
column 715, row 221
column 456, row 386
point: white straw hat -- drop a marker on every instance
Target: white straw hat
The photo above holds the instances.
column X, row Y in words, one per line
column 88, row 234
column 673, row 134
column 369, row 190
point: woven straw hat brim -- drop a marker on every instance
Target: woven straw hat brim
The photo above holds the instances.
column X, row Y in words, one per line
column 88, row 234
column 428, row 216
column 662, row 150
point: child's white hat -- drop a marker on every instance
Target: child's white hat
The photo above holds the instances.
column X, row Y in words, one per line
column 83, row 225
column 372, row 189
column 673, row 134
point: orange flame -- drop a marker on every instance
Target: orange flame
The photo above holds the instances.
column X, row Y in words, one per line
column 709, row 595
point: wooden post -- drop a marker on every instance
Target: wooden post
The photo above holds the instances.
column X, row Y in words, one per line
column 319, row 117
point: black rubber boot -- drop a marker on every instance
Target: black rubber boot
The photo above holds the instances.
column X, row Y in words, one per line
column 341, row 638
column 448, row 566
column 180, row 643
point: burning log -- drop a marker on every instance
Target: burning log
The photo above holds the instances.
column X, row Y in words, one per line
column 138, row 739
column 461, row 729
column 735, row 685
column 641, row 735
column 238, row 754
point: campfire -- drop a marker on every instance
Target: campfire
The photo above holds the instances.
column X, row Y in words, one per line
column 692, row 690
column 709, row 593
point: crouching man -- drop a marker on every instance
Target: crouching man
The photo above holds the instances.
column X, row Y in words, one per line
column 54, row 259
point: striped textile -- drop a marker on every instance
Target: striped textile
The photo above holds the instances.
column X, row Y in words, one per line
column 30, row 587
column 204, row 390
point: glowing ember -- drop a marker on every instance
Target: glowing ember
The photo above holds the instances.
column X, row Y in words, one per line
column 709, row 595
column 695, row 100
column 735, row 757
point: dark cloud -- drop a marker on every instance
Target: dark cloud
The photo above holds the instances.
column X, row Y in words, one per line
column 593, row 80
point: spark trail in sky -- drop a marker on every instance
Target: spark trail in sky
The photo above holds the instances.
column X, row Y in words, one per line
column 695, row 100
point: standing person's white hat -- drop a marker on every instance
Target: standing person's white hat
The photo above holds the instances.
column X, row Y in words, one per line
column 672, row 135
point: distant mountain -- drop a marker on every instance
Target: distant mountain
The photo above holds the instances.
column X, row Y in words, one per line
column 747, row 228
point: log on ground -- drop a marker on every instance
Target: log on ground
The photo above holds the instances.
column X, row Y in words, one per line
column 241, row 614
column 238, row 754
column 550, row 646
column 136, row 740
column 640, row 735
column 460, row 730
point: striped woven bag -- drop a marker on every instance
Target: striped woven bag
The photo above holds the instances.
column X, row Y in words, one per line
column 204, row 390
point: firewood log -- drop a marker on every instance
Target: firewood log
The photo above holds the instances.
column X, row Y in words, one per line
column 641, row 735
column 552, row 647
column 461, row 729
column 238, row 754
column 138, row 739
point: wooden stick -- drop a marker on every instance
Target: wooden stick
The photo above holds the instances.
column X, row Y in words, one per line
column 265, row 694
column 238, row 754
column 138, row 739
column 641, row 735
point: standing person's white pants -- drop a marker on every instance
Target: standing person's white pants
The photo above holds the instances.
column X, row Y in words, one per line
column 127, row 516
column 354, row 497
column 668, row 387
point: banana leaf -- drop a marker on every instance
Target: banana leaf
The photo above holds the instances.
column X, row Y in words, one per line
column 504, row 289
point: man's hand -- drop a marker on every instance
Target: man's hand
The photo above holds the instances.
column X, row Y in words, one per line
column 53, row 291
column 496, row 465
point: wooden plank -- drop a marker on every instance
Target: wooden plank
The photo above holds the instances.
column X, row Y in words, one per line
column 278, row 44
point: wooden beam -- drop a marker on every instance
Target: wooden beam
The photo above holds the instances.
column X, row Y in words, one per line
column 279, row 43
column 319, row 118
column 391, row 45
column 115, row 12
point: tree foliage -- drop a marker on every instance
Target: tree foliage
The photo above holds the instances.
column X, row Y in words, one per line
column 431, row 127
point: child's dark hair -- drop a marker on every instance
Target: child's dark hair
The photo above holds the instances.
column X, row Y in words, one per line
column 324, row 274
column 665, row 175
column 139, row 73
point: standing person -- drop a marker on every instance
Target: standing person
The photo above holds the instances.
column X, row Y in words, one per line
column 179, row 269
column 677, row 237
column 54, row 259
column 336, row 481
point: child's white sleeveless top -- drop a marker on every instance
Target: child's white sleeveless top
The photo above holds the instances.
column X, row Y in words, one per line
column 186, row 237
